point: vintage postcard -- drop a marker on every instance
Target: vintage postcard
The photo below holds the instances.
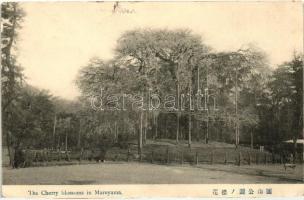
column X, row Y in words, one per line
column 151, row 99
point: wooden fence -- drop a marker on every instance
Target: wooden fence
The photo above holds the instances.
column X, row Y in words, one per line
column 159, row 156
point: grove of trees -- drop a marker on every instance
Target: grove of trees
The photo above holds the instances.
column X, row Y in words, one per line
column 254, row 102
column 246, row 101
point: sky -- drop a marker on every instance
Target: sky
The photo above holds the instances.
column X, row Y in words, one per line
column 57, row 39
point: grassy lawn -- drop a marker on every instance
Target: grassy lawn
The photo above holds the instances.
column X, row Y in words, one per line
column 143, row 173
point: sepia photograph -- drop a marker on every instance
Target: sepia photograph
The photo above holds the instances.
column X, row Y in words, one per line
column 124, row 93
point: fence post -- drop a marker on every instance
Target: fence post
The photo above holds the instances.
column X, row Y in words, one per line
column 81, row 156
column 211, row 159
column 128, row 155
column 257, row 158
column 140, row 155
column 168, row 159
column 240, row 158
column 59, row 156
column 225, row 161
column 196, row 158
column 182, row 157
column 152, row 156
column 265, row 158
column 67, row 156
column 249, row 159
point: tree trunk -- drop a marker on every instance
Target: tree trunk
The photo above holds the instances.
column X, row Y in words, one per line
column 10, row 155
column 166, row 126
column 12, row 81
column 66, row 141
column 146, row 128
column 144, row 135
column 236, row 113
column 251, row 139
column 207, row 129
column 206, row 105
column 216, row 124
column 177, row 114
column 189, row 133
column 156, row 126
column 197, row 123
column 54, row 132
column 207, row 110
column 140, row 135
column 177, row 128
column 79, row 135
column 123, row 124
column 115, row 129
column 190, row 109
column 8, row 141
column 294, row 149
column 58, row 145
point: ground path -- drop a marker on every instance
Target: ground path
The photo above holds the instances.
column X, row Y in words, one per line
column 144, row 173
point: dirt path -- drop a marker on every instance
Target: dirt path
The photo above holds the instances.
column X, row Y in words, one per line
column 135, row 173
